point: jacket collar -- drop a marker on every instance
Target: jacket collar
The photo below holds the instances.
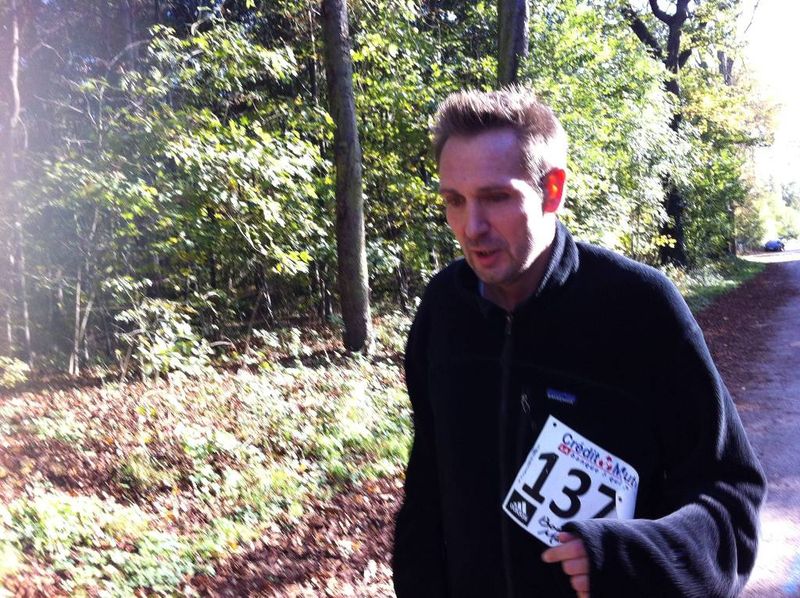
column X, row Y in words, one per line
column 562, row 264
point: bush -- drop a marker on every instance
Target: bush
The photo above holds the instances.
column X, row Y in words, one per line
column 12, row 372
column 701, row 285
column 392, row 331
column 141, row 472
column 161, row 339
column 103, row 548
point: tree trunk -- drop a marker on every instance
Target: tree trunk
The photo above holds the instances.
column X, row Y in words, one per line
column 75, row 354
column 350, row 236
column 10, row 270
column 725, row 67
column 674, row 58
column 22, row 277
column 129, row 22
column 402, row 286
column 726, row 70
column 87, row 311
column 512, row 39
column 674, row 228
column 312, row 59
column 79, row 325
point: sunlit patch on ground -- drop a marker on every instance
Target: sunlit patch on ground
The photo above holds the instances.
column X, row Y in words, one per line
column 777, row 571
column 776, row 257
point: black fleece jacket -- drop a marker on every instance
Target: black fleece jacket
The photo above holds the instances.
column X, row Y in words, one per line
column 618, row 337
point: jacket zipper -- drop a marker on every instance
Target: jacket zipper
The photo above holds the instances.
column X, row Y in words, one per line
column 527, row 410
column 505, row 361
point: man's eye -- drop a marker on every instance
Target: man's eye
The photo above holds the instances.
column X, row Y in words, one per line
column 452, row 201
column 497, row 197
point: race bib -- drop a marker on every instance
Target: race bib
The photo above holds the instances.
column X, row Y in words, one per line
column 567, row 477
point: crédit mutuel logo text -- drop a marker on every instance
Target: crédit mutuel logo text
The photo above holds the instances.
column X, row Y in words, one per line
column 591, row 457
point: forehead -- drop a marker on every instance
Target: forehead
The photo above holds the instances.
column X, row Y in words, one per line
column 490, row 157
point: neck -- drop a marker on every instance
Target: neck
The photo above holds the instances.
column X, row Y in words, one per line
column 510, row 295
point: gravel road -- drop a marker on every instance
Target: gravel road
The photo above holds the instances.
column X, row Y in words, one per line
column 769, row 404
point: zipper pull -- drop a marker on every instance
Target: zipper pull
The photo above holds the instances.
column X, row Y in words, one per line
column 527, row 410
column 509, row 321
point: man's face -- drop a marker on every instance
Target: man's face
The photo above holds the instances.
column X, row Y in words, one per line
column 495, row 212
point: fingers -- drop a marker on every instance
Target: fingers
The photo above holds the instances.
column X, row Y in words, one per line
column 576, row 566
column 580, row 583
column 574, row 560
column 571, row 548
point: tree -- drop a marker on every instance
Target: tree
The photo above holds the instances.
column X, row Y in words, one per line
column 183, row 166
column 13, row 269
column 512, row 38
column 610, row 97
column 350, row 236
column 674, row 58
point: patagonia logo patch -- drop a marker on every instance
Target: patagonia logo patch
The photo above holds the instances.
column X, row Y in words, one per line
column 561, row 396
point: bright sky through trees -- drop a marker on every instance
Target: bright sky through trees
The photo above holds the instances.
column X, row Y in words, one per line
column 772, row 47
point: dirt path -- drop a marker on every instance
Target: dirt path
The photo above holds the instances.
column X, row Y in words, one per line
column 755, row 336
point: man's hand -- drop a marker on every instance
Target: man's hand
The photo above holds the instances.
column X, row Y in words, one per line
column 574, row 561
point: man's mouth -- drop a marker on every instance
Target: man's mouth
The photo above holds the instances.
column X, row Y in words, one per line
column 484, row 254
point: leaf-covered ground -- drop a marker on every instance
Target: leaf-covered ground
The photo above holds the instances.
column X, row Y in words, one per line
column 341, row 549
column 277, row 479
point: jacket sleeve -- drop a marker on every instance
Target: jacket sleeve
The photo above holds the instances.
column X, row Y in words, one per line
column 705, row 543
column 418, row 559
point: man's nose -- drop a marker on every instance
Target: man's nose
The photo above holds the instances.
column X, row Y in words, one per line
column 476, row 225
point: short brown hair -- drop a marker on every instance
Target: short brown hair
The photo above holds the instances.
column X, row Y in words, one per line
column 541, row 136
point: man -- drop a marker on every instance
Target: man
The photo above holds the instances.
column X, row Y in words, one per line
column 571, row 433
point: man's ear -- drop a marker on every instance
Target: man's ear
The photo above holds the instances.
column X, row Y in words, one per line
column 553, row 189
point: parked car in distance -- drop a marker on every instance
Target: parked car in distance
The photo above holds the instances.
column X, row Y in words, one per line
column 774, row 245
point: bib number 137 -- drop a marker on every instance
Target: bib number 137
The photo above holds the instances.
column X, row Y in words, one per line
column 567, row 477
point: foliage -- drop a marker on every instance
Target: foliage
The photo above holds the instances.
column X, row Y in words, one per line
column 161, row 339
column 609, row 95
column 702, row 284
column 102, row 545
column 197, row 469
column 12, row 372
column 780, row 213
column 723, row 121
column 175, row 184
column 57, row 425
column 177, row 190
column 392, row 332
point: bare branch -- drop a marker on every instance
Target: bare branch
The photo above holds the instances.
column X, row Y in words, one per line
column 60, row 105
column 684, row 56
column 660, row 14
column 641, row 31
column 201, row 21
column 88, row 111
column 681, row 13
column 124, row 51
column 753, row 16
column 42, row 45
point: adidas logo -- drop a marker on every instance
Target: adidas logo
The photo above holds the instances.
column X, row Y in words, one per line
column 520, row 508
